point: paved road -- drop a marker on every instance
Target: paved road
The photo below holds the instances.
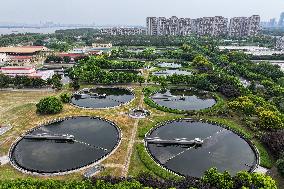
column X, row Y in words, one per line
column 4, row 130
column 4, row 160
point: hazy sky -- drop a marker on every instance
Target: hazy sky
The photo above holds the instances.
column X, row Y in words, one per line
column 131, row 12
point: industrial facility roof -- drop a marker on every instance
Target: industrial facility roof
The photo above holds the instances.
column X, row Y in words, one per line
column 25, row 49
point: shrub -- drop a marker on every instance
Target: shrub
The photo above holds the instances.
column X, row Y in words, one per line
column 254, row 180
column 280, row 166
column 75, row 84
column 229, row 91
column 269, row 119
column 49, row 105
column 65, row 97
column 243, row 104
column 218, row 180
column 275, row 142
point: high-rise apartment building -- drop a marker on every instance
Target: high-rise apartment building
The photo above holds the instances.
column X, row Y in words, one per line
column 238, row 27
column 161, row 25
column 244, row 26
column 281, row 20
column 185, row 26
column 220, row 26
column 253, row 25
column 152, row 26
column 206, row 26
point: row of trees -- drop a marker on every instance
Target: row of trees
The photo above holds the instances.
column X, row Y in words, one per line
column 104, row 63
column 148, row 54
column 88, row 71
column 28, row 82
column 21, row 81
column 64, row 59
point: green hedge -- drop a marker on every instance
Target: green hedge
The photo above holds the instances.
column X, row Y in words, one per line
column 55, row 184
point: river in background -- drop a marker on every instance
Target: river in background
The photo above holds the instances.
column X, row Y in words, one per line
column 4, row 31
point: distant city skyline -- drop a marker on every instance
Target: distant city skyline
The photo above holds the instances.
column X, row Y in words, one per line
column 131, row 12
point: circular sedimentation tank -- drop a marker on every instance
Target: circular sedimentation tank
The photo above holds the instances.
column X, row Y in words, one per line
column 101, row 97
column 190, row 147
column 183, row 99
column 139, row 113
column 64, row 146
column 170, row 72
column 169, row 65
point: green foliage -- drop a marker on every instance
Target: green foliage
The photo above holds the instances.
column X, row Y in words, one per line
column 256, row 180
column 162, row 81
column 263, row 181
column 53, row 58
column 55, row 81
column 269, row 120
column 49, row 105
column 238, row 57
column 21, row 81
column 266, row 159
column 60, row 46
column 243, row 104
column 249, row 104
column 219, row 180
column 280, row 81
column 280, row 166
column 268, row 116
column 275, row 142
column 90, row 71
column 268, row 70
column 65, row 97
column 242, row 180
column 147, row 53
column 75, row 84
column 4, row 81
column 202, row 64
column 54, row 184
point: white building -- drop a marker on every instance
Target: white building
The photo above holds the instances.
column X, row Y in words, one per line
column 252, row 50
column 3, row 58
column 28, row 71
column 101, row 45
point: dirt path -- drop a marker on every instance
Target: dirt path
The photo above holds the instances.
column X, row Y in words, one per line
column 131, row 143
column 113, row 165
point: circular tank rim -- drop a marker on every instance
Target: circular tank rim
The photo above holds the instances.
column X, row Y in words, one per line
column 59, row 173
column 161, row 124
column 145, row 114
column 107, row 108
